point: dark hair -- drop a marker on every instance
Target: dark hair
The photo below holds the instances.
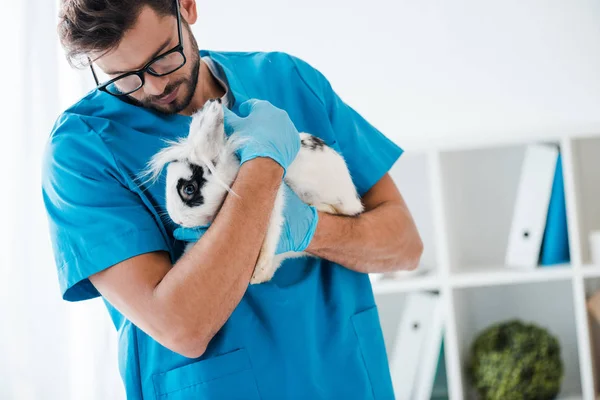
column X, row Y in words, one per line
column 97, row 26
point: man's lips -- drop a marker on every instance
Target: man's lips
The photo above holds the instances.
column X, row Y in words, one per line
column 168, row 98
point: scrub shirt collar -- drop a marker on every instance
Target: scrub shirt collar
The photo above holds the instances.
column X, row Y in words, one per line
column 235, row 86
column 239, row 95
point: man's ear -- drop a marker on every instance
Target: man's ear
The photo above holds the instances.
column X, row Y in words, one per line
column 188, row 11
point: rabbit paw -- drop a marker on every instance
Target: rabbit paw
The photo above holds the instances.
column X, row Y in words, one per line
column 327, row 208
column 264, row 269
column 352, row 206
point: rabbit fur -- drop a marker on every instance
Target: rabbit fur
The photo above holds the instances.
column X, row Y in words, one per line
column 202, row 167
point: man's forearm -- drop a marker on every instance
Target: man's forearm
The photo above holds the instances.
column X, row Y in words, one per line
column 380, row 240
column 206, row 284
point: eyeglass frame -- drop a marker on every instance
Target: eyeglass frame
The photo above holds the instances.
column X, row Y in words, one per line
column 145, row 69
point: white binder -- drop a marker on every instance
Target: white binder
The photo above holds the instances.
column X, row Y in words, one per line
column 531, row 206
column 421, row 316
column 430, row 355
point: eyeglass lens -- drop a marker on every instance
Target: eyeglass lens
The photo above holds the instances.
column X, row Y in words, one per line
column 162, row 66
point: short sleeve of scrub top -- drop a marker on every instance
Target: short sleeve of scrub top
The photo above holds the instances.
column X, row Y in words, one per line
column 369, row 154
column 95, row 220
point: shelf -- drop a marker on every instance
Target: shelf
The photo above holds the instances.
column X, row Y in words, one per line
column 492, row 276
column 479, row 191
column 591, row 271
column 387, row 285
column 546, row 304
column 477, row 277
column 586, row 175
column 462, row 200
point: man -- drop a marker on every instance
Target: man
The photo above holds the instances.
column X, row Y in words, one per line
column 191, row 326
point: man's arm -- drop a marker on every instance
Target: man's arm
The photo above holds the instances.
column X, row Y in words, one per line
column 384, row 238
column 182, row 306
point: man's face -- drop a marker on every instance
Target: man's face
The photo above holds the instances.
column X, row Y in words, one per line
column 151, row 36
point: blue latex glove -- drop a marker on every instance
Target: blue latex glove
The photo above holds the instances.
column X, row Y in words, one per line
column 300, row 223
column 266, row 131
column 297, row 231
column 190, row 234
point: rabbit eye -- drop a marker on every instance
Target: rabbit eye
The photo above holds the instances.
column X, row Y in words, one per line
column 189, row 190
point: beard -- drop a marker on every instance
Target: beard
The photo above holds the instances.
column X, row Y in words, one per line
column 186, row 86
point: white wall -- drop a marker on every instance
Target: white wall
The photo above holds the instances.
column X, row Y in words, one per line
column 428, row 71
column 49, row 348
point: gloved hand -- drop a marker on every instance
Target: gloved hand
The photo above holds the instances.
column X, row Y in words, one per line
column 265, row 131
column 190, row 234
column 299, row 225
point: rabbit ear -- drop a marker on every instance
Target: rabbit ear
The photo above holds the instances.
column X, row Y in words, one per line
column 176, row 151
column 207, row 132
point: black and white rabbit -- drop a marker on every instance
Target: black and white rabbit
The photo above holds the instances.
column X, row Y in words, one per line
column 202, row 167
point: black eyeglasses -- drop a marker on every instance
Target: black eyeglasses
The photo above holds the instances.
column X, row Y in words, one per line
column 161, row 65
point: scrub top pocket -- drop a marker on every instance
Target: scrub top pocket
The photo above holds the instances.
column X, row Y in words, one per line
column 228, row 376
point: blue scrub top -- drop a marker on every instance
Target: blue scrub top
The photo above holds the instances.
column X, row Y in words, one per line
column 313, row 332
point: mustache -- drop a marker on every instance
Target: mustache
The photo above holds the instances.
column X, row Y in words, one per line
column 168, row 90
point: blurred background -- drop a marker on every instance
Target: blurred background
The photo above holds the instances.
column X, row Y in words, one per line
column 466, row 87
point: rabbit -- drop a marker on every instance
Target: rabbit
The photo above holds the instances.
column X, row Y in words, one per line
column 202, row 167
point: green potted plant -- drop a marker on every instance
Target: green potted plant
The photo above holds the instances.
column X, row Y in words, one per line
column 514, row 360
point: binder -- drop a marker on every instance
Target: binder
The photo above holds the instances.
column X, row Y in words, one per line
column 440, row 384
column 419, row 319
column 430, row 355
column 531, row 206
column 555, row 244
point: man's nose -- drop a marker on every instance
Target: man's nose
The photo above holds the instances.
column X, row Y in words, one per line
column 155, row 85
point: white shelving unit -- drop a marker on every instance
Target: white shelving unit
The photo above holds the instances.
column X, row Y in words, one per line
column 462, row 199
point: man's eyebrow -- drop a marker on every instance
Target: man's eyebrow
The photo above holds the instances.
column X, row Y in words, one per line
column 156, row 53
